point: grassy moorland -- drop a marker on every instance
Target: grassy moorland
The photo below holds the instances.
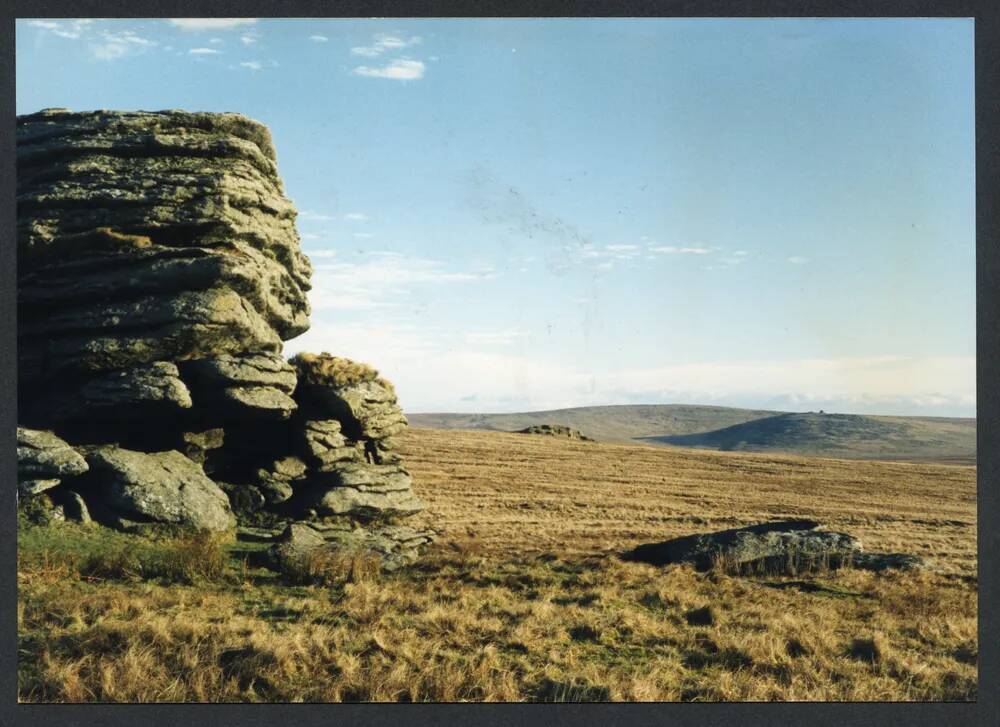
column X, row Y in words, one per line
column 524, row 597
column 848, row 436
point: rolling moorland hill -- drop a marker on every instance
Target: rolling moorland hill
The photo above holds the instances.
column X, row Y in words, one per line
column 852, row 436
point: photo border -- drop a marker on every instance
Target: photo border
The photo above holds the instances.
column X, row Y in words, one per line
column 987, row 67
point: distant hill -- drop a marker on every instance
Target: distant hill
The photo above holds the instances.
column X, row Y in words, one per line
column 852, row 436
column 626, row 423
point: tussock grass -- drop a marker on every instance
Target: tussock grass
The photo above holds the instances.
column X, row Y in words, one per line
column 532, row 603
column 326, row 370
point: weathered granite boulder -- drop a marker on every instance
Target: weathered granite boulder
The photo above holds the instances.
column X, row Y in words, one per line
column 365, row 404
column 159, row 273
column 326, row 448
column 162, row 487
column 778, row 547
column 44, row 460
column 151, row 236
column 149, row 390
column 235, row 387
column 394, row 546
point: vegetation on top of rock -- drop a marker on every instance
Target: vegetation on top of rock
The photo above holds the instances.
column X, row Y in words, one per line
column 323, row 369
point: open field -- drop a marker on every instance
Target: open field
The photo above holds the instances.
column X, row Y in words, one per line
column 524, row 598
column 932, row 439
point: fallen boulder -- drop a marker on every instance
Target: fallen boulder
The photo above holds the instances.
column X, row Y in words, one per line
column 162, row 487
column 786, row 546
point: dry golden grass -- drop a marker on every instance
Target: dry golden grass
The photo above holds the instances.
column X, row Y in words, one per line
column 524, row 598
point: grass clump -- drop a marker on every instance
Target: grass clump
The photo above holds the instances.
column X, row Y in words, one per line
column 327, row 567
column 97, row 553
column 326, row 370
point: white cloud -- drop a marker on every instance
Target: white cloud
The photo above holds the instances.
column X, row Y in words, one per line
column 399, row 70
column 71, row 29
column 797, row 260
column 621, row 248
column 252, row 65
column 108, row 51
column 215, row 41
column 382, row 280
column 672, row 250
column 362, row 235
column 320, row 254
column 318, row 38
column 384, row 42
column 741, row 253
column 200, row 24
column 356, row 216
column 204, row 52
column 430, row 376
column 248, row 39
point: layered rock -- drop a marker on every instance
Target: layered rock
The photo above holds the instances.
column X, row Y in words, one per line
column 43, row 460
column 146, row 237
column 159, row 274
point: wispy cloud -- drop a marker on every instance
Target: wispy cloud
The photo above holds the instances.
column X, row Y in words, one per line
column 383, row 42
column 383, row 279
column 403, row 69
column 252, row 65
column 71, row 29
column 672, row 250
column 102, row 44
column 797, row 260
column 356, row 216
column 201, row 24
column 204, row 52
column 318, row 38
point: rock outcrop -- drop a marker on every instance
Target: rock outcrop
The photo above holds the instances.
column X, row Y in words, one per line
column 43, row 460
column 787, row 546
column 159, row 273
column 555, row 430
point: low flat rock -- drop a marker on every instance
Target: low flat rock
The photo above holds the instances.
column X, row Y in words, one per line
column 42, row 456
column 367, row 505
column 774, row 546
column 395, row 546
column 164, row 487
column 887, row 561
column 367, row 477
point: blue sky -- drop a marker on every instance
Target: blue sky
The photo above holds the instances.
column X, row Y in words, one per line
column 508, row 215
